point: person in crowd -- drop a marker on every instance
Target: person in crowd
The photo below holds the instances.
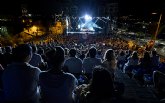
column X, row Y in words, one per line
column 7, row 56
column 36, row 59
column 41, row 52
column 121, row 58
column 66, row 52
column 20, row 79
column 82, row 55
column 110, row 62
column 90, row 62
column 101, row 87
column 144, row 70
column 2, row 62
column 133, row 61
column 99, row 54
column 159, row 82
column 56, row 85
column 73, row 64
column 155, row 58
column 128, row 54
column 146, row 63
column 1, row 73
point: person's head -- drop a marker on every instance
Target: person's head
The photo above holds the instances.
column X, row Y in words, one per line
column 154, row 53
column 22, row 53
column 66, row 51
column 122, row 53
column 109, row 55
column 34, row 48
column 92, row 52
column 99, row 52
column 147, row 56
column 8, row 49
column 40, row 51
column 72, row 52
column 101, row 82
column 55, row 57
column 135, row 55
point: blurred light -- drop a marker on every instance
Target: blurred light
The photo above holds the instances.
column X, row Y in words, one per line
column 154, row 13
column 23, row 21
column 79, row 26
column 88, row 18
column 29, row 14
column 34, row 29
column 30, row 20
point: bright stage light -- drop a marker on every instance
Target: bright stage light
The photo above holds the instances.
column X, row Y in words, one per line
column 88, row 18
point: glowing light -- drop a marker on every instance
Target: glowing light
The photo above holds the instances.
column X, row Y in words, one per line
column 23, row 21
column 79, row 26
column 154, row 13
column 88, row 18
column 67, row 22
column 34, row 29
column 30, row 20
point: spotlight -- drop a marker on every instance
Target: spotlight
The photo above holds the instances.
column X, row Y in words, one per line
column 88, row 18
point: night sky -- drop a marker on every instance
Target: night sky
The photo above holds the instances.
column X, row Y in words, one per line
column 126, row 7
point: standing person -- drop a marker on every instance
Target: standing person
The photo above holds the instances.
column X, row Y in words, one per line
column 57, row 86
column 20, row 79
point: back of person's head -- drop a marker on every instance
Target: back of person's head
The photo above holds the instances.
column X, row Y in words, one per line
column 122, row 53
column 8, row 49
column 40, row 51
column 135, row 55
column 101, row 82
column 92, row 52
column 34, row 48
column 66, row 51
column 109, row 55
column 22, row 53
column 130, row 52
column 72, row 52
column 146, row 56
column 55, row 57
column 99, row 52
column 154, row 53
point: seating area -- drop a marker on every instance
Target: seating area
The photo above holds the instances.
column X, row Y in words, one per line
column 63, row 73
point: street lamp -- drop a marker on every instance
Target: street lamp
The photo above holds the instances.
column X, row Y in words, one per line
column 152, row 42
column 157, row 29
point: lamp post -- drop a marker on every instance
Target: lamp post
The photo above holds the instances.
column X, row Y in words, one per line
column 152, row 42
column 157, row 29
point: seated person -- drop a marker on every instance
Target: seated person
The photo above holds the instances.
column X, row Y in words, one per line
column 133, row 60
column 73, row 64
column 159, row 82
column 56, row 85
column 110, row 62
column 20, row 79
column 90, row 62
column 101, row 88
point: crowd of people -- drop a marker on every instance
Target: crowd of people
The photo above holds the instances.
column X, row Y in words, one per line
column 74, row 72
